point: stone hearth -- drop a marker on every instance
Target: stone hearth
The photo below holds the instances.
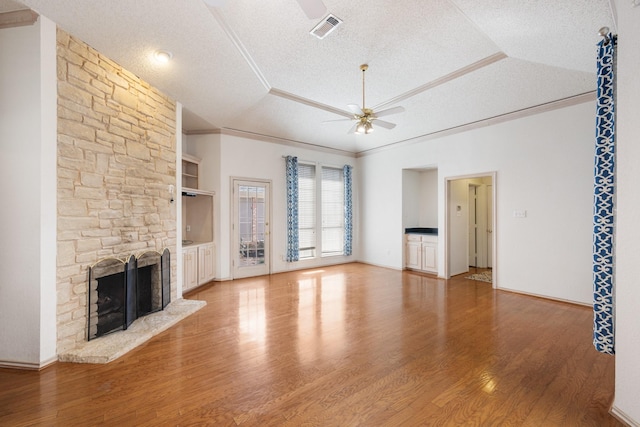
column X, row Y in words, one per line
column 110, row 347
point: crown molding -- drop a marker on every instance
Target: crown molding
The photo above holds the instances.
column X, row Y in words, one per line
column 525, row 112
column 283, row 141
column 18, row 18
column 240, row 46
column 444, row 79
column 310, row 103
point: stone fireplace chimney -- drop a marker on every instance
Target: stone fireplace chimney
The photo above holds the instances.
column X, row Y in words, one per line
column 116, row 161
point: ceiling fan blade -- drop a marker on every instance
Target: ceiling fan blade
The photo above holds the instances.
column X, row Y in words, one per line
column 355, row 109
column 337, row 120
column 390, row 111
column 386, row 125
column 314, row 9
column 353, row 128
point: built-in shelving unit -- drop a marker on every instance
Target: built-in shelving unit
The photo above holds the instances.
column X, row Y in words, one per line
column 198, row 250
column 190, row 170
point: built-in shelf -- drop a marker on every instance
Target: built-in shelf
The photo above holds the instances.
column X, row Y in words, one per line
column 190, row 172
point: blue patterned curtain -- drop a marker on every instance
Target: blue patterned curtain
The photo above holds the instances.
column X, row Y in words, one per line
column 348, row 211
column 604, row 189
column 292, row 209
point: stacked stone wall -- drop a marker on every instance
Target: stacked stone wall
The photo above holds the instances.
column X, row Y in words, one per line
column 116, row 161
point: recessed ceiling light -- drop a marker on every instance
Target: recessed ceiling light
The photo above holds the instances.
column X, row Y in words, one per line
column 162, row 56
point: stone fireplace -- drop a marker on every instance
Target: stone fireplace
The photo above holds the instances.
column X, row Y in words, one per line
column 120, row 291
column 116, row 161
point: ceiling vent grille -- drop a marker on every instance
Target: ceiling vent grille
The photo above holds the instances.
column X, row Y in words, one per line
column 324, row 27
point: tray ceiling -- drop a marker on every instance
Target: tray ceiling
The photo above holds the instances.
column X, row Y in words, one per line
column 251, row 66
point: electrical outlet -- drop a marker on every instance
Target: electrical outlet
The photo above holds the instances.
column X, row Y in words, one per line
column 188, row 228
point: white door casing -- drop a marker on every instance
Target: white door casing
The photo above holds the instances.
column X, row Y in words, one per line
column 251, row 242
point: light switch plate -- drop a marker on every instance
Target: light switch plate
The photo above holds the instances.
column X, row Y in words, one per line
column 519, row 213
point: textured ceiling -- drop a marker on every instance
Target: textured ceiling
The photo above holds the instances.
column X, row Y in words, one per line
column 252, row 66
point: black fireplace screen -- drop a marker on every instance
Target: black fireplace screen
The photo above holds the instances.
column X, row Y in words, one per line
column 122, row 291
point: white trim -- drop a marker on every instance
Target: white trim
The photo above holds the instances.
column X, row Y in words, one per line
column 289, row 142
column 18, row 18
column 442, row 80
column 232, row 220
column 28, row 365
column 623, row 417
column 446, row 234
column 525, row 112
column 309, row 102
column 240, row 47
column 547, row 297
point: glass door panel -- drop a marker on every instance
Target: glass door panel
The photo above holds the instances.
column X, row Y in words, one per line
column 251, row 228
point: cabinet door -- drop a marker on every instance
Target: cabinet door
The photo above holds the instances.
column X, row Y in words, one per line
column 413, row 256
column 190, row 266
column 205, row 264
column 429, row 257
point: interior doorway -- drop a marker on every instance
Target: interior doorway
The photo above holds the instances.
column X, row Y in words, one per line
column 251, row 240
column 470, row 220
column 479, row 230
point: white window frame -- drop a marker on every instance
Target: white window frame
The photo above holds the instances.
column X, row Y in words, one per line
column 317, row 251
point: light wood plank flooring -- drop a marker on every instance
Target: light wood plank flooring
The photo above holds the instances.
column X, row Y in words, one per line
column 346, row 345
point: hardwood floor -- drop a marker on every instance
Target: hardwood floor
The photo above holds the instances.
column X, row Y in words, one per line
column 339, row 346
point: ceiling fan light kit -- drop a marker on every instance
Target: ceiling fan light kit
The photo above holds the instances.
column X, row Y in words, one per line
column 364, row 116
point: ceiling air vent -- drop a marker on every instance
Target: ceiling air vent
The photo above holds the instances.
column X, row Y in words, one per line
column 324, row 27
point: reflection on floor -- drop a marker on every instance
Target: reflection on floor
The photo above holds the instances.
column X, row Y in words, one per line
column 343, row 345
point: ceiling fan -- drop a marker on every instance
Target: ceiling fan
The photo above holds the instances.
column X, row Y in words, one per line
column 365, row 117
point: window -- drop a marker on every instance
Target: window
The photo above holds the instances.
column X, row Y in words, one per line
column 319, row 210
column 328, row 203
column 307, row 210
column 332, row 211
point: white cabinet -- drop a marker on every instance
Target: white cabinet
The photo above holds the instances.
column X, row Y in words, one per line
column 206, row 269
column 413, row 255
column 430, row 256
column 190, row 268
column 422, row 252
column 198, row 247
column 198, row 265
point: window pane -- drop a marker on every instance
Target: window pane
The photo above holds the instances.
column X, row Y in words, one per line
column 307, row 210
column 332, row 211
column 251, row 205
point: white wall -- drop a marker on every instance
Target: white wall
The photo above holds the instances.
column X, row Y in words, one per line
column 627, row 392
column 28, row 171
column 411, row 198
column 544, row 164
column 225, row 157
column 420, row 198
column 429, row 198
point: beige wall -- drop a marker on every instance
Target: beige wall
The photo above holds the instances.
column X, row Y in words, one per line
column 116, row 160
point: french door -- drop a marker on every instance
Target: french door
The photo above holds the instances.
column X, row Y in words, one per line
column 251, row 240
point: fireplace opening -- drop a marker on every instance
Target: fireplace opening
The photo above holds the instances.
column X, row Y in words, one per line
column 110, row 303
column 149, row 284
column 122, row 291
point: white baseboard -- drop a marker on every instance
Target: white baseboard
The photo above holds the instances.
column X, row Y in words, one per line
column 623, row 418
column 10, row 364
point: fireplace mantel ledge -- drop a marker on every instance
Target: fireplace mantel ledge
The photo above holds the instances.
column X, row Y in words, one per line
column 110, row 347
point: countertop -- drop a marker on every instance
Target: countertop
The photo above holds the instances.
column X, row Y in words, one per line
column 421, row 230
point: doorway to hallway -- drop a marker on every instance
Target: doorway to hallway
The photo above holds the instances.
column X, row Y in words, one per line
column 471, row 223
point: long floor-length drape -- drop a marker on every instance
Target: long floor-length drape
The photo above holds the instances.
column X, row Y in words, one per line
column 348, row 211
column 293, row 245
column 604, row 200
